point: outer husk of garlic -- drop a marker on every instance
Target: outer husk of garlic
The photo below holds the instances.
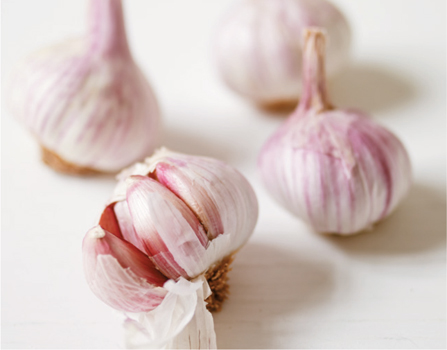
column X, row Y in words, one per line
column 258, row 47
column 162, row 249
column 334, row 168
column 86, row 101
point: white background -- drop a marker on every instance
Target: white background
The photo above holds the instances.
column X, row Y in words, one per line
column 290, row 287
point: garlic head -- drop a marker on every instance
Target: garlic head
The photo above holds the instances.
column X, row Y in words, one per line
column 174, row 218
column 86, row 101
column 334, row 168
column 258, row 46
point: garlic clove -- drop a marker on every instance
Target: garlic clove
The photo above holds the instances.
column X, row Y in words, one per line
column 109, row 221
column 336, row 169
column 86, row 101
column 170, row 232
column 119, row 274
column 218, row 194
column 187, row 185
column 123, row 217
column 258, row 47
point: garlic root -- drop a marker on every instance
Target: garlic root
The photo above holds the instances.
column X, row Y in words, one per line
column 217, row 278
column 279, row 106
column 60, row 165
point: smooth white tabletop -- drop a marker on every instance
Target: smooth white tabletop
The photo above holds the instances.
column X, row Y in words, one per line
column 290, row 287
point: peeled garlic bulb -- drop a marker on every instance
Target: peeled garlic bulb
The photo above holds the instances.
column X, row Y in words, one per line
column 164, row 244
column 86, row 101
column 334, row 168
column 259, row 47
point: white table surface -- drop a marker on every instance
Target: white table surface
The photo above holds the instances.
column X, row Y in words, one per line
column 290, row 287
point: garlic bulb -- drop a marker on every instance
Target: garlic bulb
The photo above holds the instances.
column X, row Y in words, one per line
column 334, row 168
column 86, row 101
column 164, row 244
column 258, row 47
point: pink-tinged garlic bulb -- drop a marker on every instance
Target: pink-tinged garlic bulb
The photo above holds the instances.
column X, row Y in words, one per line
column 259, row 47
column 334, row 168
column 164, row 244
column 86, row 101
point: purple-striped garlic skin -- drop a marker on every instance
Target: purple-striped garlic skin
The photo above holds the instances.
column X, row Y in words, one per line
column 335, row 169
column 258, row 46
column 86, row 100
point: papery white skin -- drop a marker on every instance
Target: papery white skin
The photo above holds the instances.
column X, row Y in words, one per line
column 183, row 214
column 86, row 100
column 180, row 322
column 335, row 169
column 258, row 46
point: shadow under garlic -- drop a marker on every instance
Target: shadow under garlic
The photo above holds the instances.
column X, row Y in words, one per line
column 266, row 284
column 418, row 224
column 370, row 88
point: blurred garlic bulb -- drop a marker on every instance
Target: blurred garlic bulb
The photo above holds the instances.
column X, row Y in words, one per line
column 335, row 169
column 259, row 47
column 164, row 244
column 86, row 101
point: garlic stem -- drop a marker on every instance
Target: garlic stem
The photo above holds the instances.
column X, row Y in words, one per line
column 107, row 29
column 315, row 94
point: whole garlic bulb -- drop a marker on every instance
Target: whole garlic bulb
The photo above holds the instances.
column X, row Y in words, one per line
column 164, row 244
column 259, row 47
column 334, row 168
column 86, row 101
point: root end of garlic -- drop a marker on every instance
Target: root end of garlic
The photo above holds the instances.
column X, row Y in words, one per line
column 280, row 106
column 59, row 164
column 217, row 278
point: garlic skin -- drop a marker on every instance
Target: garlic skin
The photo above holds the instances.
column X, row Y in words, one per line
column 86, row 101
column 258, row 46
column 121, row 275
column 171, row 221
column 334, row 168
